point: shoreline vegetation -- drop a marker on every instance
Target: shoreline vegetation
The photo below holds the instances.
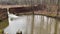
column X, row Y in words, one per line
column 3, row 25
column 3, row 20
column 1, row 31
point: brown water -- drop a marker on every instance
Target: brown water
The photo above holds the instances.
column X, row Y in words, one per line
column 42, row 25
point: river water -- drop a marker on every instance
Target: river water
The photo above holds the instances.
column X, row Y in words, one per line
column 42, row 24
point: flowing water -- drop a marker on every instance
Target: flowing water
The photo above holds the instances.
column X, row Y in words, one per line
column 42, row 24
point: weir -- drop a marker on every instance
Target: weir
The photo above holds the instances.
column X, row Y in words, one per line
column 39, row 11
column 43, row 16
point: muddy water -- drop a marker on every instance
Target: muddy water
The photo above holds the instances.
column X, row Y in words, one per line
column 42, row 25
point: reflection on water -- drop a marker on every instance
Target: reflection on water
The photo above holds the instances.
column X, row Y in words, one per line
column 42, row 25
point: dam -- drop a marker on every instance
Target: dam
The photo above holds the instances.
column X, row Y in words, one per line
column 31, row 17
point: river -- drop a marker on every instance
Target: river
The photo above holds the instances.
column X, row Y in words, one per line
column 42, row 24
